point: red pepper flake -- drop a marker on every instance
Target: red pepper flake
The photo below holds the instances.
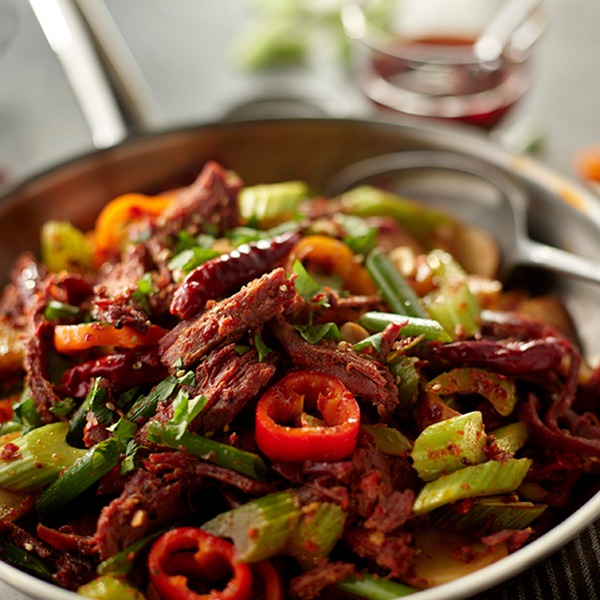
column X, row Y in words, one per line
column 10, row 451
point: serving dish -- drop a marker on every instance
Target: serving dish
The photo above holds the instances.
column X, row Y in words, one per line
column 315, row 150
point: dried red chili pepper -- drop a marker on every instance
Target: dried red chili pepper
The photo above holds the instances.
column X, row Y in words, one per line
column 272, row 588
column 124, row 371
column 285, row 402
column 188, row 554
column 228, row 271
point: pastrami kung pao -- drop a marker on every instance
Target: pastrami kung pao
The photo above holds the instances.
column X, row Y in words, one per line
column 235, row 391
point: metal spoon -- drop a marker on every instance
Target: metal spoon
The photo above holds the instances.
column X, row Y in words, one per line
column 473, row 191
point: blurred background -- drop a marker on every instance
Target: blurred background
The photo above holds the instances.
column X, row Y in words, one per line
column 206, row 60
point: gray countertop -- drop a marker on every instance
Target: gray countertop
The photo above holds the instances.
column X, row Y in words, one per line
column 184, row 48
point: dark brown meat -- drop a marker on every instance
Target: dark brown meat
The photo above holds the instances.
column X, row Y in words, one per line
column 226, row 321
column 21, row 294
column 210, row 201
column 158, row 493
column 37, row 349
column 311, row 584
column 229, row 381
column 371, row 382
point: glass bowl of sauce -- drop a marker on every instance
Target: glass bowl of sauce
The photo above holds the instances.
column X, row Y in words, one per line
column 417, row 57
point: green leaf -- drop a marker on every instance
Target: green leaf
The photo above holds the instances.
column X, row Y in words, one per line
column 185, row 410
column 305, row 284
column 262, row 348
column 63, row 407
column 315, row 333
column 56, row 311
column 359, row 235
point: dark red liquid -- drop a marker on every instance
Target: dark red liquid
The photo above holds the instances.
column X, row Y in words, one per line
column 485, row 95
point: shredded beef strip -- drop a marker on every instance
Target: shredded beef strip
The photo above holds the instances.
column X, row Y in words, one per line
column 310, row 584
column 158, row 493
column 227, row 320
column 210, row 200
column 113, row 302
column 37, row 348
column 229, row 381
column 21, row 294
column 365, row 378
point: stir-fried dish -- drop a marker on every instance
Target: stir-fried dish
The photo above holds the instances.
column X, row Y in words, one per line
column 252, row 391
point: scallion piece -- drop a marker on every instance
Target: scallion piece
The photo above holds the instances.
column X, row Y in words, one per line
column 495, row 387
column 396, row 291
column 452, row 303
column 260, row 528
column 489, row 515
column 412, row 326
column 449, row 445
column 406, row 377
column 26, row 561
column 122, row 562
column 86, row 471
column 320, row 527
column 371, row 587
column 487, row 479
column 218, row 453
column 40, row 456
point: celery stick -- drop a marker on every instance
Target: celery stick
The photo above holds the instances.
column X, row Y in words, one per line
column 227, row 456
column 512, row 437
column 65, row 248
column 260, row 528
column 269, row 204
column 82, row 474
column 320, row 527
column 109, row 587
column 489, row 515
column 406, row 377
column 412, row 326
column 449, row 445
column 371, row 587
column 495, row 387
column 388, row 439
column 42, row 454
column 369, row 201
column 487, row 479
column 395, row 290
column 452, row 303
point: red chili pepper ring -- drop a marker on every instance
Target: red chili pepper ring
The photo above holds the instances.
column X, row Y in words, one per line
column 285, row 403
column 188, row 554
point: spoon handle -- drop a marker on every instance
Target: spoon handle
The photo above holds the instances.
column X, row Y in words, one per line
column 560, row 261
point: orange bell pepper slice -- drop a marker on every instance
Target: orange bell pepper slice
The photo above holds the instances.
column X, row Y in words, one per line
column 334, row 257
column 115, row 218
column 73, row 338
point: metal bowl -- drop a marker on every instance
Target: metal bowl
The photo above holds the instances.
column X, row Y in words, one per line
column 315, row 149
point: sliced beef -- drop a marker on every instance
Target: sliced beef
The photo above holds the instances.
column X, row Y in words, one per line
column 37, row 349
column 209, row 202
column 161, row 492
column 370, row 381
column 21, row 294
column 227, row 320
column 229, row 381
column 310, row 584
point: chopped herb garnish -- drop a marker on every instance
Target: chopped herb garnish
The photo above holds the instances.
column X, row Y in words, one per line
column 315, row 333
column 56, row 311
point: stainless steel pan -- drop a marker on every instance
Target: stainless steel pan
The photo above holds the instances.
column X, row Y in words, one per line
column 315, row 150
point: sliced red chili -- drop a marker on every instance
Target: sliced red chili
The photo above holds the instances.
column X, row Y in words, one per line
column 284, row 404
column 272, row 588
column 185, row 557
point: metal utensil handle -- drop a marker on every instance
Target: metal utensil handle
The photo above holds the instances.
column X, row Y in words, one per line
column 559, row 261
column 89, row 48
